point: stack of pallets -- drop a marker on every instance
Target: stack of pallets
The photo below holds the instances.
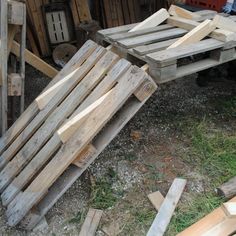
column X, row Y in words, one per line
column 65, row 128
column 149, row 46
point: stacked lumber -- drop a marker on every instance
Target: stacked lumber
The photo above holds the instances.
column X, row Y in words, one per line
column 36, row 26
column 63, row 131
column 112, row 13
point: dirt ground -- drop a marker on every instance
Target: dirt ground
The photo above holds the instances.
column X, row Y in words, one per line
column 166, row 139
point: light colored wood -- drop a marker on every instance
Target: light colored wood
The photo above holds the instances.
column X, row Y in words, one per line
column 55, row 116
column 195, row 35
column 35, row 61
column 91, row 222
column 181, row 12
column 16, row 12
column 166, row 211
column 19, row 207
column 156, row 199
column 224, row 23
column 68, row 130
column 14, row 84
column 216, row 223
column 219, row 34
column 83, row 10
column 152, row 21
column 229, row 208
column 3, row 64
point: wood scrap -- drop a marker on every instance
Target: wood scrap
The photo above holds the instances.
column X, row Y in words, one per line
column 156, row 199
column 216, row 223
column 152, row 21
column 167, row 208
column 224, row 23
column 195, row 35
column 229, row 208
column 35, row 61
column 228, row 189
column 91, row 222
column 181, row 12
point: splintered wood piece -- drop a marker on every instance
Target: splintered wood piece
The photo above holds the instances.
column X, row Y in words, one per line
column 21, row 205
column 106, row 135
column 180, row 12
column 219, row 34
column 156, row 199
column 224, row 23
column 91, row 222
column 152, row 21
column 229, row 208
column 167, row 208
column 61, row 113
column 195, row 35
column 216, row 223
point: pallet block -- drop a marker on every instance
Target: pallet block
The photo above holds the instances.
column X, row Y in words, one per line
column 64, row 130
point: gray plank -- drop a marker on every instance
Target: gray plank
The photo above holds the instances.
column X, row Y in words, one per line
column 154, row 47
column 166, row 211
column 152, row 38
column 163, row 57
column 126, row 35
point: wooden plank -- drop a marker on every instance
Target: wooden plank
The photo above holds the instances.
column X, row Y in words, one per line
column 19, row 207
column 16, row 12
column 219, row 34
column 152, row 38
column 154, row 47
column 166, row 57
column 228, row 189
column 35, row 61
column 166, row 211
column 58, row 115
column 229, row 208
column 3, row 64
column 224, row 23
column 195, row 35
column 156, row 199
column 14, row 84
column 181, row 12
column 216, row 223
column 83, row 10
column 125, row 35
column 91, row 222
column 75, row 13
column 152, row 21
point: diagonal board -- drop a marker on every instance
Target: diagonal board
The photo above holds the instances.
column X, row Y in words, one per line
column 22, row 179
column 30, row 113
column 24, row 201
column 57, row 117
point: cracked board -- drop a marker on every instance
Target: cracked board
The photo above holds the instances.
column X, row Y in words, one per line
column 94, row 86
column 149, row 46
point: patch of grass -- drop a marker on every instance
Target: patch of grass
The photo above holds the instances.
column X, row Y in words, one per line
column 227, row 106
column 102, row 195
column 213, row 154
column 190, row 212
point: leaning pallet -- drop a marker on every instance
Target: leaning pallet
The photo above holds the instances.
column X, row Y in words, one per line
column 149, row 46
column 66, row 128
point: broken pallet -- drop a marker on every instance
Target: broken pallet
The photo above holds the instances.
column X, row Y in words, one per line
column 66, row 128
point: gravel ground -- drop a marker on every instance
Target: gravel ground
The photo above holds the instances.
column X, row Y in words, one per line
column 158, row 142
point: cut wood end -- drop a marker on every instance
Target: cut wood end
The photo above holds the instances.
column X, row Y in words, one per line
column 229, row 208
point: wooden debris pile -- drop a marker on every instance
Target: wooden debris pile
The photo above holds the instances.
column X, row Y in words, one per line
column 65, row 128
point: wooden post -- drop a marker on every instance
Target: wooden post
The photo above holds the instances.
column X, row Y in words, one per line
column 3, row 51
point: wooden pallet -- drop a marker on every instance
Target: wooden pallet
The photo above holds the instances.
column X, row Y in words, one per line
column 149, row 46
column 52, row 143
